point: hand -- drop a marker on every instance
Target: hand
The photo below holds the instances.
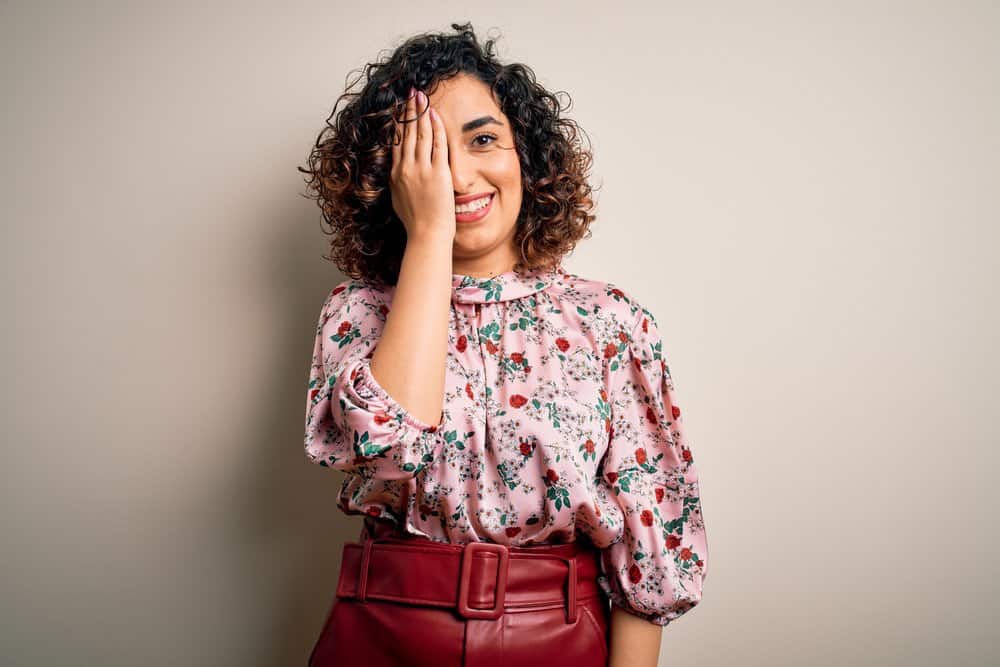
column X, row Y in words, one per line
column 420, row 179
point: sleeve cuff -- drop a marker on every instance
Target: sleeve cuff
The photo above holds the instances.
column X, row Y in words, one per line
column 365, row 380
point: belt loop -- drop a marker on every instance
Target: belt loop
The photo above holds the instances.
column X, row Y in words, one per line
column 571, row 609
column 366, row 556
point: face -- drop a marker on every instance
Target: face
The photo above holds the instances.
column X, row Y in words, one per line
column 483, row 161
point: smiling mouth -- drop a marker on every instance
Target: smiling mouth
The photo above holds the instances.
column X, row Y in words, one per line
column 474, row 205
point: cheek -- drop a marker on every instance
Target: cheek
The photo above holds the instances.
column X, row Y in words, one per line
column 506, row 173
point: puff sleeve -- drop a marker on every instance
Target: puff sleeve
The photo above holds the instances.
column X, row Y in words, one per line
column 656, row 570
column 352, row 423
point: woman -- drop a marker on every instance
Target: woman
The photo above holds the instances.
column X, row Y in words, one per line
column 507, row 429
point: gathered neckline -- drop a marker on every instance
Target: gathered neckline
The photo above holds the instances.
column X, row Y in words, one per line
column 501, row 287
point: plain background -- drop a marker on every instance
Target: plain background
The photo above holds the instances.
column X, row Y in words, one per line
column 804, row 194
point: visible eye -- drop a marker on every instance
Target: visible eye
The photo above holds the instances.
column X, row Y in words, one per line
column 484, row 135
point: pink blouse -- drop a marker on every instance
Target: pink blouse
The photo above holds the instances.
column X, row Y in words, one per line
column 559, row 417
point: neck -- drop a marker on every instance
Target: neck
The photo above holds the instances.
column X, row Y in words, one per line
column 482, row 268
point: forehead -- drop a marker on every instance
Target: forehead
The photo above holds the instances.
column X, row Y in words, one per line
column 463, row 97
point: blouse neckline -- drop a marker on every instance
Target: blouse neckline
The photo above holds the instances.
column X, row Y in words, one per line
column 501, row 287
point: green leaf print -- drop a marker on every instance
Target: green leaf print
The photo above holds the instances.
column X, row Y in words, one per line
column 559, row 495
column 490, row 332
column 451, row 438
column 553, row 414
column 506, row 475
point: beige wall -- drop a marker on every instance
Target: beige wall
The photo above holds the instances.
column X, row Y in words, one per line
column 806, row 197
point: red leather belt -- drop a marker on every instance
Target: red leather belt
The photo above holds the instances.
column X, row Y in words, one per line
column 480, row 580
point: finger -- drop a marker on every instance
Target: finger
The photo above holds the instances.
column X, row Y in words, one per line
column 409, row 135
column 422, row 153
column 397, row 137
column 439, row 157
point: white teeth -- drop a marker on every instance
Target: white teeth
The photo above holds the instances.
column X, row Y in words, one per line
column 473, row 205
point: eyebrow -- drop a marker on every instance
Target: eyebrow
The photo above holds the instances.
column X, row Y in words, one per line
column 479, row 122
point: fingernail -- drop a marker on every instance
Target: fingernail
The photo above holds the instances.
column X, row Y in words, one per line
column 412, row 91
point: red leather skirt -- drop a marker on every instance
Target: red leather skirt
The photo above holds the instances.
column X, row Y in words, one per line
column 404, row 600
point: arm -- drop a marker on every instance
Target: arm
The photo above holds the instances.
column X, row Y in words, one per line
column 352, row 423
column 409, row 360
column 384, row 423
column 656, row 571
column 635, row 642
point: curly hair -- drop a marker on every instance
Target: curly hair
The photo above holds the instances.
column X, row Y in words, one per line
column 349, row 165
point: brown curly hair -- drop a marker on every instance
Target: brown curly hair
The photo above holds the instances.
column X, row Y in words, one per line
column 350, row 162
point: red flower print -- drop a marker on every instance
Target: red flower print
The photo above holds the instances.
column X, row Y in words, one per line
column 373, row 511
column 312, row 394
column 685, row 554
column 659, row 494
column 640, row 455
column 604, row 396
column 645, row 324
column 597, row 510
column 381, row 418
column 491, row 347
column 618, row 293
column 622, row 336
column 338, row 289
column 562, row 344
column 461, row 343
column 698, row 563
column 610, row 350
column 637, row 362
column 517, row 357
column 607, row 427
column 468, row 391
column 344, row 328
column 527, row 369
column 552, row 475
column 526, row 448
column 612, row 477
column 675, row 411
column 516, row 400
column 673, row 541
column 589, row 446
column 512, row 530
column 686, row 455
column 651, row 415
column 383, row 309
column 634, row 574
column 646, row 517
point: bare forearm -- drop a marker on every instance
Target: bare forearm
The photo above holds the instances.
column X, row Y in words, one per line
column 635, row 642
column 409, row 360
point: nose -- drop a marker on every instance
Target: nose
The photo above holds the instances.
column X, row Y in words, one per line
column 463, row 176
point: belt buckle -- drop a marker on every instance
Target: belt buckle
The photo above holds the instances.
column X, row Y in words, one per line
column 500, row 592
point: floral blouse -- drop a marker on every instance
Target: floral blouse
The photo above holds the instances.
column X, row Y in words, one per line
column 559, row 417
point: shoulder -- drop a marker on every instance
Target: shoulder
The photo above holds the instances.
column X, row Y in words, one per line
column 611, row 300
column 353, row 296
